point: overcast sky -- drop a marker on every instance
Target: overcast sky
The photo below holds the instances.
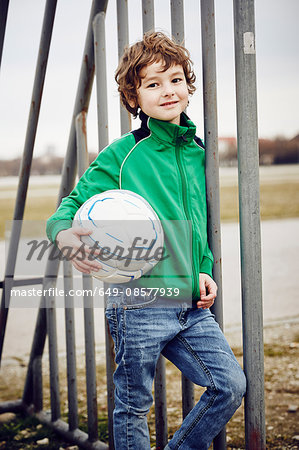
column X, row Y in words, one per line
column 277, row 69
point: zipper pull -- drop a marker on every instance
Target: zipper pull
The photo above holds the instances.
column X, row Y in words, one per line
column 184, row 138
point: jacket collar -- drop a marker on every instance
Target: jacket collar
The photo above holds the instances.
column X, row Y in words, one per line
column 169, row 132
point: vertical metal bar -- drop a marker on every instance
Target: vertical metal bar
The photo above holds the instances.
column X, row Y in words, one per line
column 53, row 356
column 101, row 84
column 212, row 159
column 177, row 20
column 123, row 41
column 3, row 18
column 211, row 142
column 37, row 349
column 81, row 101
column 148, row 15
column 91, row 385
column 187, row 395
column 161, row 404
column 250, row 237
column 82, row 149
column 38, row 85
column 177, row 31
column 67, row 181
column 37, row 384
column 70, row 346
column 101, row 78
column 90, row 359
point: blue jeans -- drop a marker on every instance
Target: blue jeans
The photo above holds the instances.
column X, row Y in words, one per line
column 193, row 341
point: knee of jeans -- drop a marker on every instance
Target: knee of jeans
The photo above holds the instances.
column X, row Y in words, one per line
column 234, row 387
column 135, row 406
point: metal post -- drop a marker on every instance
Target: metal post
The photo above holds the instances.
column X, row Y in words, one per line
column 36, row 98
column 148, row 15
column 67, row 181
column 177, row 20
column 3, row 18
column 123, row 41
column 211, row 142
column 101, row 78
column 53, row 356
column 91, row 385
column 37, row 349
column 37, row 384
column 161, row 404
column 212, row 160
column 187, row 396
column 251, row 272
column 70, row 339
column 177, row 31
column 101, row 84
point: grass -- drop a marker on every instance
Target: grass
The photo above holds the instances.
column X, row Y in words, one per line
column 38, row 209
column 281, row 390
column 278, row 201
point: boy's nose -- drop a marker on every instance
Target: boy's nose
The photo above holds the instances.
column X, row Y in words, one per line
column 168, row 90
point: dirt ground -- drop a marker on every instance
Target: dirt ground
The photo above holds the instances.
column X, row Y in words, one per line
column 281, row 398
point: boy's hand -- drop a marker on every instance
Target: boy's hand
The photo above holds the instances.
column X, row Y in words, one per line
column 80, row 255
column 208, row 291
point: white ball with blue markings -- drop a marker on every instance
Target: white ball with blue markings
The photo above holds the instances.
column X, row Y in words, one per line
column 127, row 231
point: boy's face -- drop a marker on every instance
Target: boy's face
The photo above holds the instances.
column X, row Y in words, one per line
column 162, row 94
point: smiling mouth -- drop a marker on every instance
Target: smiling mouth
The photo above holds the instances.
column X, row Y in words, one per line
column 169, row 103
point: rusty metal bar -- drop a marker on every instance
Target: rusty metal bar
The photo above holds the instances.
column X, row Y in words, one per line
column 178, row 33
column 177, row 20
column 37, row 384
column 36, row 98
column 67, row 182
column 101, row 85
column 123, row 41
column 91, row 384
column 25, row 282
column 3, row 18
column 250, row 235
column 90, row 360
column 37, row 349
column 187, row 395
column 148, row 15
column 211, row 142
column 76, row 436
column 101, row 78
column 161, row 404
column 53, row 356
column 70, row 339
column 16, row 406
column 212, row 160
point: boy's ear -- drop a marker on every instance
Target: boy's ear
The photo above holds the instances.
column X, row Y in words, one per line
column 132, row 102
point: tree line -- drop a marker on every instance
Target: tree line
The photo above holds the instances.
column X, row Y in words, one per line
column 271, row 151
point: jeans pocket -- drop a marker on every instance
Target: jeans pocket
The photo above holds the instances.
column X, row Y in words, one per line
column 139, row 302
column 130, row 296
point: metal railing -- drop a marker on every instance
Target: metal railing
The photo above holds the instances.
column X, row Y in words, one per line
column 94, row 59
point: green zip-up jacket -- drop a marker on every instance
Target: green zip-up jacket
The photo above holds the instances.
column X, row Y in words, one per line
column 165, row 164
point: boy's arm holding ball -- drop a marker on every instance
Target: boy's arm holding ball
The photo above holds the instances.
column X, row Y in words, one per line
column 81, row 256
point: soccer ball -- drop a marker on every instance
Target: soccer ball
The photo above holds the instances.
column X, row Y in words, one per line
column 127, row 231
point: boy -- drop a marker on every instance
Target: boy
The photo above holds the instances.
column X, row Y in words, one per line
column 164, row 162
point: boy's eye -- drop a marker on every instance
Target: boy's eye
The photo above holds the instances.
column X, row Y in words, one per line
column 176, row 80
column 152, row 85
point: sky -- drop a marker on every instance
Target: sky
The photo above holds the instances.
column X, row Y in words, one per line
column 277, row 48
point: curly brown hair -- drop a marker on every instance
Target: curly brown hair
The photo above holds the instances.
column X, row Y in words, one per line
column 154, row 47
